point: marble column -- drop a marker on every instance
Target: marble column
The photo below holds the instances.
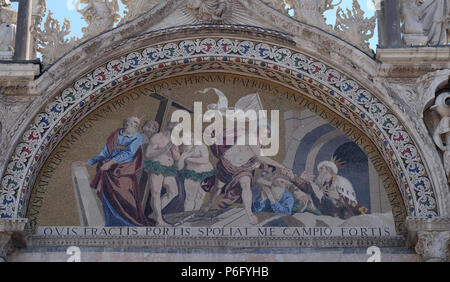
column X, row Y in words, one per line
column 23, row 35
column 389, row 32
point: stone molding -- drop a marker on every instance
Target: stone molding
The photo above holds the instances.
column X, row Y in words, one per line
column 223, row 242
column 412, row 62
column 18, row 79
column 414, row 55
column 13, row 225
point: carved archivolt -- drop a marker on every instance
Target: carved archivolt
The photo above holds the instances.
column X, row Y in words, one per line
column 354, row 102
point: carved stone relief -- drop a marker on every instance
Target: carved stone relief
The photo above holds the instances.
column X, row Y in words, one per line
column 433, row 246
column 100, row 15
column 441, row 131
column 210, row 11
column 8, row 20
column 425, row 22
column 135, row 8
column 413, row 33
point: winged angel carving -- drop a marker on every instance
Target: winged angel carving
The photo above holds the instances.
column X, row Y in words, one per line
column 135, row 8
column 100, row 15
column 213, row 11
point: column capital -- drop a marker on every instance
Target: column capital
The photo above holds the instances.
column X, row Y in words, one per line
column 11, row 225
column 431, row 238
column 12, row 236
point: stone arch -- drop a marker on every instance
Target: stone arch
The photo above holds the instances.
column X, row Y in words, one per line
column 281, row 63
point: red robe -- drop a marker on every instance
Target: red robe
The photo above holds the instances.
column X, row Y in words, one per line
column 120, row 187
column 231, row 175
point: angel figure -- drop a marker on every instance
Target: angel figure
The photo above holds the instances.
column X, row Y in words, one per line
column 135, row 8
column 100, row 15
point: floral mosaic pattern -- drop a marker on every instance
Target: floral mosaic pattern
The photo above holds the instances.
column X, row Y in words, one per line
column 342, row 94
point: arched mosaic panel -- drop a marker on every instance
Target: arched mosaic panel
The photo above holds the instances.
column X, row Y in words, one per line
column 343, row 95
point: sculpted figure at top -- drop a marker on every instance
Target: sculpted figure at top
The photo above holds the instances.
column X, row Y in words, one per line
column 8, row 17
column 425, row 18
column 5, row 3
column 410, row 15
column 100, row 15
column 214, row 11
column 435, row 17
column 135, row 8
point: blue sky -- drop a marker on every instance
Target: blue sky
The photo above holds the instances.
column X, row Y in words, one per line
column 66, row 9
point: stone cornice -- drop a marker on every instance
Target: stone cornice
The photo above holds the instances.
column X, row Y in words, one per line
column 18, row 79
column 19, row 72
column 412, row 62
column 223, row 242
column 435, row 224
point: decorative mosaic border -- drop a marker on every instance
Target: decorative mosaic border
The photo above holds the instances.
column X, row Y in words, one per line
column 256, row 58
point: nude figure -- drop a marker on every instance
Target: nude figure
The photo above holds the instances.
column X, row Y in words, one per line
column 161, row 155
column 197, row 170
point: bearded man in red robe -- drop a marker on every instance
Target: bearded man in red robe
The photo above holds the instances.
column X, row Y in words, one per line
column 116, row 181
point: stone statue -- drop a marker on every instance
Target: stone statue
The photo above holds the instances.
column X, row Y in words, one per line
column 135, row 8
column 441, row 135
column 212, row 11
column 425, row 22
column 435, row 19
column 100, row 15
column 412, row 28
column 5, row 3
column 8, row 19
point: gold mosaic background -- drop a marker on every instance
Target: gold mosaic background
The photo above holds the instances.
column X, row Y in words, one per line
column 53, row 201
